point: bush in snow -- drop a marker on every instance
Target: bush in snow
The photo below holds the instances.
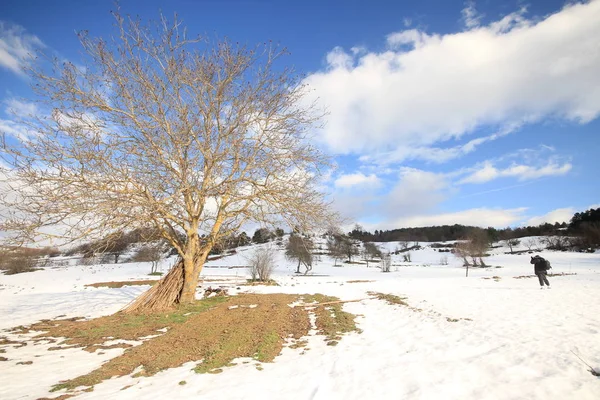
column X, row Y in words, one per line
column 17, row 263
column 262, row 263
column 386, row 263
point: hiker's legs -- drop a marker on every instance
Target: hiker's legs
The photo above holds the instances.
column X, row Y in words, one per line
column 543, row 274
column 541, row 278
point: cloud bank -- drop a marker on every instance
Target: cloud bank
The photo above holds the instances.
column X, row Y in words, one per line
column 427, row 89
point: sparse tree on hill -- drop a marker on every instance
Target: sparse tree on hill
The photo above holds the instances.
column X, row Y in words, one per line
column 531, row 243
column 347, row 247
column 261, row 235
column 300, row 249
column 152, row 253
column 474, row 247
column 511, row 243
column 194, row 138
column 370, row 251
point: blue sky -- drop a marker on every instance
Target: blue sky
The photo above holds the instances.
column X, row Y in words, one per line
column 440, row 112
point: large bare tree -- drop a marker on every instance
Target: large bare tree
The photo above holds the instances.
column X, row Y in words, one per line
column 193, row 137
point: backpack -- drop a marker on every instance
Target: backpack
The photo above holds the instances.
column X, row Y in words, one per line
column 545, row 264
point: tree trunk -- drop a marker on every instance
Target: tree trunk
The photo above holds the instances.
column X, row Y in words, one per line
column 177, row 286
column 298, row 268
column 190, row 281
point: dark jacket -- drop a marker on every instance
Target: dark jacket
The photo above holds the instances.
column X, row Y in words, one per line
column 540, row 264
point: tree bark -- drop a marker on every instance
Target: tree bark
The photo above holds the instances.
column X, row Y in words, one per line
column 190, row 281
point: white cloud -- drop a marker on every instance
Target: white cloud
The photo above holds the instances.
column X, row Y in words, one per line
column 483, row 217
column 427, row 89
column 488, row 172
column 407, row 22
column 15, row 129
column 416, row 192
column 17, row 47
column 558, row 215
column 357, row 179
column 471, row 17
column 20, row 108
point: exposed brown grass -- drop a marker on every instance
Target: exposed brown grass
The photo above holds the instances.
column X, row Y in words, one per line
column 120, row 284
column 359, row 281
column 210, row 331
column 549, row 275
column 250, row 282
column 389, row 298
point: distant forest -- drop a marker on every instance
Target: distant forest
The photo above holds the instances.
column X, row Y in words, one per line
column 579, row 222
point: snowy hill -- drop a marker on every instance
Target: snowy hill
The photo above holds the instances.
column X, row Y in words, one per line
column 493, row 335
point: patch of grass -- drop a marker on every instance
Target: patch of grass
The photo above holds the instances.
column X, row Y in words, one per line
column 181, row 383
column 359, row 281
column 389, row 298
column 268, row 346
column 3, row 359
column 155, row 274
column 91, row 334
column 120, row 284
column 59, row 386
column 496, row 278
column 550, row 275
column 299, row 344
column 250, row 282
column 331, row 319
column 207, row 330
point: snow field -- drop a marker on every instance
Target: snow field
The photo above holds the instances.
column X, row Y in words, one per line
column 473, row 338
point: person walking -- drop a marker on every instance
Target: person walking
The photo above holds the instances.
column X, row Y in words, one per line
column 541, row 267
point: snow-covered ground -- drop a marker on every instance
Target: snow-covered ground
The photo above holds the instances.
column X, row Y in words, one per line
column 474, row 338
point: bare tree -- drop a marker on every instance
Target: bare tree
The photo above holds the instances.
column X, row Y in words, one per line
column 348, row 247
column 474, row 247
column 152, row 253
column 300, row 248
column 511, row 243
column 335, row 245
column 192, row 137
column 531, row 243
column 370, row 251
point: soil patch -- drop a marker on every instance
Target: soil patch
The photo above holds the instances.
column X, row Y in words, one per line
column 213, row 332
column 549, row 275
column 389, row 298
column 120, row 284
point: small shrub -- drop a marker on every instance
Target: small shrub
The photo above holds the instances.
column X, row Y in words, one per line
column 386, row 263
column 18, row 264
column 262, row 264
column 406, row 257
column 444, row 260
